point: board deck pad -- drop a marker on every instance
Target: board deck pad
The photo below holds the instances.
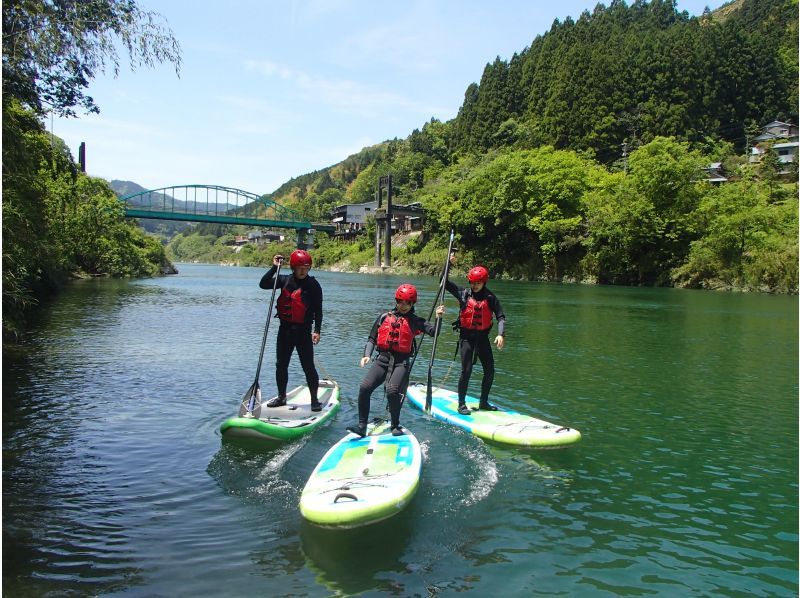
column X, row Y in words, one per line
column 288, row 421
column 363, row 480
column 503, row 426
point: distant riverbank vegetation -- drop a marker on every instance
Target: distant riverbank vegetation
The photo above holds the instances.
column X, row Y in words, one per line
column 547, row 214
column 585, row 158
column 59, row 223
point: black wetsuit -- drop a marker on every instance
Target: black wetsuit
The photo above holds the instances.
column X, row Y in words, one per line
column 472, row 343
column 389, row 366
column 297, row 336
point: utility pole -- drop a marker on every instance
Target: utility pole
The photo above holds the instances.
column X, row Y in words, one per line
column 625, row 156
column 82, row 156
column 377, row 228
column 747, row 146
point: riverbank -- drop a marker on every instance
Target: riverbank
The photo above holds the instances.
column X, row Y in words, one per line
column 348, row 266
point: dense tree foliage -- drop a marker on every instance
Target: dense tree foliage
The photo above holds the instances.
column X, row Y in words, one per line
column 625, row 73
column 52, row 49
column 58, row 222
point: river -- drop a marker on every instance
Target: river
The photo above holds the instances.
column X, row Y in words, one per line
column 116, row 480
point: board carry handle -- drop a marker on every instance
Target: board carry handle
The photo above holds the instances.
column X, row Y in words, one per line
column 345, row 495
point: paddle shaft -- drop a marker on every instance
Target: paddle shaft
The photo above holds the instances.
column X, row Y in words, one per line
column 254, row 387
column 436, row 328
column 433, row 308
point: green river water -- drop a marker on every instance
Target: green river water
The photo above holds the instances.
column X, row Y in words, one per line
column 116, row 480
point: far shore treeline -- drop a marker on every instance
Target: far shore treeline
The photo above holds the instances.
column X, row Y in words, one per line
column 582, row 158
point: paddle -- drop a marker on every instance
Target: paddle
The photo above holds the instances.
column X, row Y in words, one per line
column 433, row 308
column 252, row 392
column 440, row 293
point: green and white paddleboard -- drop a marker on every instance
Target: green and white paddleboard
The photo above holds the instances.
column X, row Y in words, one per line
column 503, row 426
column 363, row 480
column 287, row 422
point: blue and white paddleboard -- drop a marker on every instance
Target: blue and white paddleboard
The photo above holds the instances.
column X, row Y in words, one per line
column 503, row 426
column 363, row 480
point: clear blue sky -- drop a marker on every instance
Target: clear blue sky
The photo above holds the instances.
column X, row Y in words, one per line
column 271, row 89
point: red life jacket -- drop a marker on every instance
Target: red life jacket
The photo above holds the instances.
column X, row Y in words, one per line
column 291, row 307
column 395, row 334
column 476, row 315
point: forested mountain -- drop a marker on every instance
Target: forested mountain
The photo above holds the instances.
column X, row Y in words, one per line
column 632, row 73
column 622, row 74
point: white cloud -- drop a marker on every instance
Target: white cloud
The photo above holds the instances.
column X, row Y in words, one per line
column 343, row 94
column 402, row 47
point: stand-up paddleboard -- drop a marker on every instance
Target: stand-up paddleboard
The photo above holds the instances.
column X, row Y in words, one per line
column 363, row 480
column 286, row 422
column 503, row 426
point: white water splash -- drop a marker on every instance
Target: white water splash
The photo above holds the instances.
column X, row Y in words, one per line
column 485, row 476
column 270, row 475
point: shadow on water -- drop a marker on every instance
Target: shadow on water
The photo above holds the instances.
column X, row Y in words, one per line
column 351, row 561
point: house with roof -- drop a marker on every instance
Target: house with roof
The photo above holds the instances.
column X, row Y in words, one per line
column 781, row 137
column 350, row 219
column 715, row 174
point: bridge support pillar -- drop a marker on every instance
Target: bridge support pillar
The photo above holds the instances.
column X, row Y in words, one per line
column 383, row 220
column 305, row 238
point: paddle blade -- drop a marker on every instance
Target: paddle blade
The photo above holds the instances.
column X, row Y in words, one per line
column 251, row 398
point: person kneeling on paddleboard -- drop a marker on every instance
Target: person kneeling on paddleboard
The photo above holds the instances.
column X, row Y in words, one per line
column 299, row 306
column 476, row 306
column 393, row 335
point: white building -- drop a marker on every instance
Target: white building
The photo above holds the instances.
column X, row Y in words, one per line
column 782, row 137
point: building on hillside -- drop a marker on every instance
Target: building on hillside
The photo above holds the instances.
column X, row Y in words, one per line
column 256, row 237
column 782, row 137
column 349, row 219
column 408, row 218
column 715, row 174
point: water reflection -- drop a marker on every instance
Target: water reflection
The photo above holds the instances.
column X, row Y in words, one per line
column 355, row 560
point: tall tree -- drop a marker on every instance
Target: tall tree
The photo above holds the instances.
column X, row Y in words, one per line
column 52, row 49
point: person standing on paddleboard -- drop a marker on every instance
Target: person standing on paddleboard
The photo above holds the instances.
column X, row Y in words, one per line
column 392, row 335
column 476, row 304
column 299, row 309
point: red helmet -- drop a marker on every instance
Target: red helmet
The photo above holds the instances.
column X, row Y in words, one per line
column 299, row 258
column 478, row 274
column 406, row 292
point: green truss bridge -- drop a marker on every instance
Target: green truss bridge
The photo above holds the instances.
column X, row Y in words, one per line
column 213, row 203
